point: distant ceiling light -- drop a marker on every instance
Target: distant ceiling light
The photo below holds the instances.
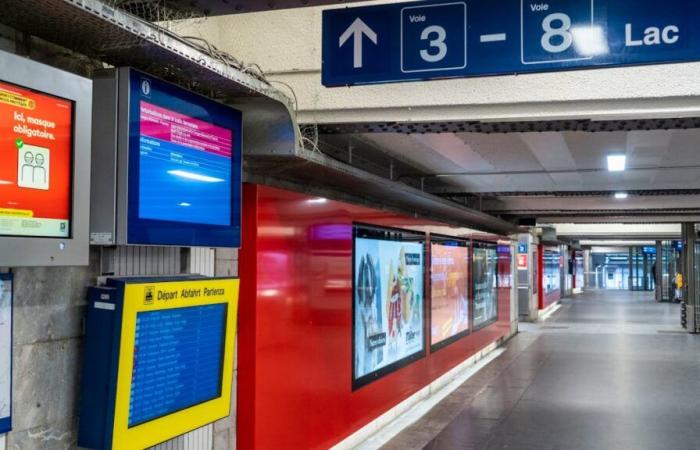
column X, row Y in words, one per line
column 317, row 201
column 184, row 204
column 617, row 162
column 590, row 41
column 621, row 195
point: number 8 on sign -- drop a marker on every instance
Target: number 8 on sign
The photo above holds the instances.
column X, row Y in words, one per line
column 550, row 28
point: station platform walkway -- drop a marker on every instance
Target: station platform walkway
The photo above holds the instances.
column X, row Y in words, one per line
column 608, row 370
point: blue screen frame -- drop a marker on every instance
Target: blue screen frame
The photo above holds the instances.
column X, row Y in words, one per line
column 143, row 231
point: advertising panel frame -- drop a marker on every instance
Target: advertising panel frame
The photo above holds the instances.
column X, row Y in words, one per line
column 488, row 245
column 18, row 251
column 379, row 232
column 464, row 242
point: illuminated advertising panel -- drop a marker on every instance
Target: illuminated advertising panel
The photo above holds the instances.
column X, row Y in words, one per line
column 184, row 167
column 159, row 360
column 551, row 281
column 485, row 278
column 449, row 286
column 36, row 160
column 388, row 304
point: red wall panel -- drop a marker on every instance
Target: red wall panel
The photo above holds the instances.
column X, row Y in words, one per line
column 295, row 335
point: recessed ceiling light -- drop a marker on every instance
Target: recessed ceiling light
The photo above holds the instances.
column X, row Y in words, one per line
column 621, row 195
column 317, row 201
column 617, row 162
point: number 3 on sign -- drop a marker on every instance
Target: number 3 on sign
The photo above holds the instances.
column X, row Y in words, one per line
column 437, row 35
column 548, row 29
column 434, row 37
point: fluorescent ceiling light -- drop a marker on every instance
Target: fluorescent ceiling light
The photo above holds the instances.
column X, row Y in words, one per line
column 195, row 176
column 621, row 195
column 318, row 201
column 185, row 204
column 617, row 162
column 590, row 41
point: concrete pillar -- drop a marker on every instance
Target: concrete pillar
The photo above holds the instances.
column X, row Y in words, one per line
column 688, row 271
column 658, row 272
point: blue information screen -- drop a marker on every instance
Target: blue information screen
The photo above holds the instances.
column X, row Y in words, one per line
column 184, row 185
column 177, row 360
column 185, row 168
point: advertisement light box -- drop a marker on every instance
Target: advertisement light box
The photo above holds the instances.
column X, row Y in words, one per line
column 485, row 284
column 176, row 160
column 388, row 301
column 158, row 360
column 449, row 286
column 45, row 124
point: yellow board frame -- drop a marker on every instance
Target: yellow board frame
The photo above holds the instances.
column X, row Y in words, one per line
column 136, row 300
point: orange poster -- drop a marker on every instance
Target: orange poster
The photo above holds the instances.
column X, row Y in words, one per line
column 35, row 163
column 449, row 291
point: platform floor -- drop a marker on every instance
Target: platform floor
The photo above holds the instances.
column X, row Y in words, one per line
column 608, row 370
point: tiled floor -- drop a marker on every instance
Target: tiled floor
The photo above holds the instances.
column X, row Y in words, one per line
column 609, row 370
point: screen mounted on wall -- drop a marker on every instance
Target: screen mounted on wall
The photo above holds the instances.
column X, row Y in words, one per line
column 184, row 167
column 178, row 352
column 388, row 301
column 159, row 354
column 449, row 287
column 36, row 163
column 485, row 279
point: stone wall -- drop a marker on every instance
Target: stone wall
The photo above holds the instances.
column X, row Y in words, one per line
column 48, row 312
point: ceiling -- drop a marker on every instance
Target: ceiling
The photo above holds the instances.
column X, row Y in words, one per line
column 549, row 174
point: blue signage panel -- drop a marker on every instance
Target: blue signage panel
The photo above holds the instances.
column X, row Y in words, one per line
column 522, row 248
column 446, row 39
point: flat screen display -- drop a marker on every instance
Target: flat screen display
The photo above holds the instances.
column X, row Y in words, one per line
column 551, row 281
column 449, row 285
column 178, row 360
column 485, row 285
column 185, row 152
column 388, row 302
column 36, row 163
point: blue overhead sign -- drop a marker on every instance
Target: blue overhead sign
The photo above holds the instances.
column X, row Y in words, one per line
column 446, row 39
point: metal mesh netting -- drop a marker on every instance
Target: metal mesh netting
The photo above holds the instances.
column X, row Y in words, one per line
column 156, row 10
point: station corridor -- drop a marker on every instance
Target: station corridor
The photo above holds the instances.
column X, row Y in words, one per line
column 608, row 370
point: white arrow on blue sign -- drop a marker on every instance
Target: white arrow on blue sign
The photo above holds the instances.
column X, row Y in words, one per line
column 357, row 30
column 445, row 39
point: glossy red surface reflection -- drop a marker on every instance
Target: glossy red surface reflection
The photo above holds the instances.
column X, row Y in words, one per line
column 294, row 367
